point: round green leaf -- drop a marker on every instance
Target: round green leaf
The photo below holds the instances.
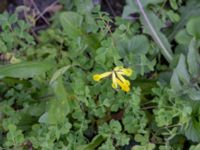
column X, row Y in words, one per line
column 193, row 27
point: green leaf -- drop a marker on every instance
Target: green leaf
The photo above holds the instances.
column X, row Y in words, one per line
column 193, row 58
column 143, row 139
column 56, row 112
column 194, row 94
column 191, row 9
column 25, row 69
column 3, row 46
column 134, row 122
column 174, row 17
column 183, row 37
column 101, row 54
column 131, row 6
column 84, row 6
column 173, row 4
column 43, row 118
column 192, row 27
column 60, row 106
column 14, row 136
column 59, row 73
column 175, row 82
column 148, row 146
column 60, row 92
column 115, row 126
column 122, row 139
column 72, row 26
column 192, row 132
column 181, row 79
column 152, row 24
column 195, row 147
column 108, row 145
column 97, row 140
column 71, row 23
column 138, row 44
column 182, row 71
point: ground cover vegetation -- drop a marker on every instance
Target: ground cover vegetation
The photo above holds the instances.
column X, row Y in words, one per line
column 105, row 75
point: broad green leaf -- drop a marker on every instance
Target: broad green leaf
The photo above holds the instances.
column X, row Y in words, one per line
column 192, row 132
column 84, row 6
column 138, row 44
column 175, row 82
column 141, row 64
column 151, row 24
column 58, row 107
column 56, row 112
column 194, row 94
column 60, row 92
column 71, row 23
column 182, row 71
column 25, row 69
column 59, row 73
column 191, row 9
column 192, row 27
column 173, row 4
column 182, row 37
column 97, row 140
column 174, row 17
column 181, row 77
column 72, row 26
column 43, row 118
column 193, row 59
column 148, row 146
column 101, row 55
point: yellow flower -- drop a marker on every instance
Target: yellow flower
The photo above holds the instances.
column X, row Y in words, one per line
column 125, row 87
column 98, row 77
column 117, row 77
column 123, row 71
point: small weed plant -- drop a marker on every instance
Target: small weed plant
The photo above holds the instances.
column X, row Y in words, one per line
column 91, row 81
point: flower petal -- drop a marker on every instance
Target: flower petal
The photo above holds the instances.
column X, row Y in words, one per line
column 123, row 71
column 124, row 86
column 118, row 68
column 123, row 79
column 98, row 77
column 126, row 71
column 114, row 82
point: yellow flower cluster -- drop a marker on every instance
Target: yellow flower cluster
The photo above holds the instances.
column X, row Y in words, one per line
column 117, row 77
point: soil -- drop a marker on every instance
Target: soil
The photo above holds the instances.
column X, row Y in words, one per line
column 113, row 7
column 44, row 9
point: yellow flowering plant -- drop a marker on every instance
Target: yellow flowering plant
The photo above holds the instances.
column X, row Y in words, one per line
column 118, row 79
column 45, row 76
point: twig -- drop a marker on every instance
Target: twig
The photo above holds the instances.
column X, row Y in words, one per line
column 37, row 9
column 46, row 9
column 37, row 28
column 148, row 107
